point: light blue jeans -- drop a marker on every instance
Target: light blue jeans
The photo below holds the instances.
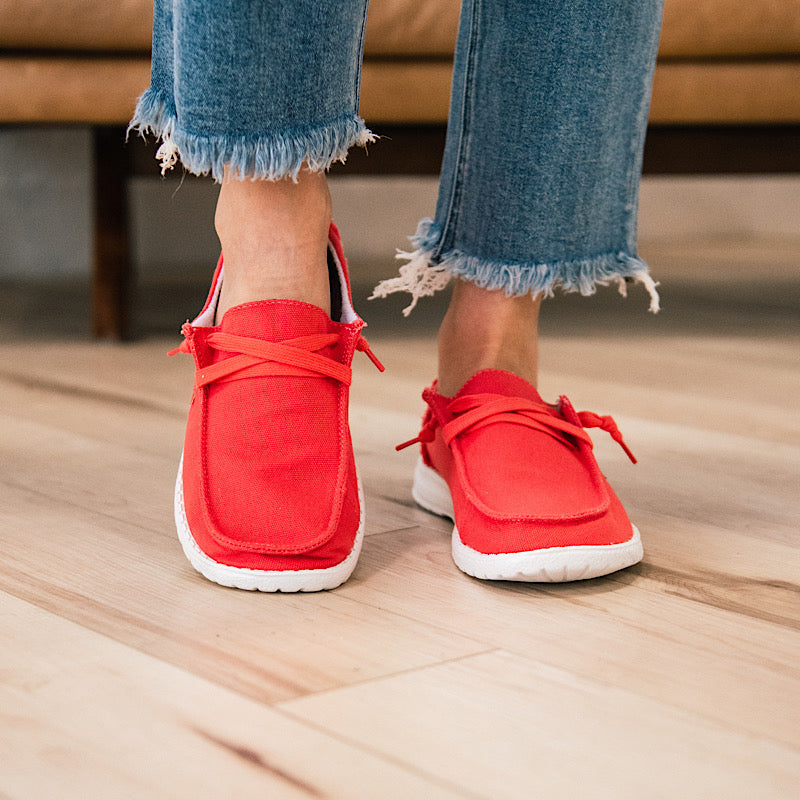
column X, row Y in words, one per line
column 540, row 177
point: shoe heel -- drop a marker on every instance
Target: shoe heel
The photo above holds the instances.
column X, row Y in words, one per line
column 430, row 491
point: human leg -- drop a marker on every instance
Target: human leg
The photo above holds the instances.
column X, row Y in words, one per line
column 260, row 90
column 549, row 170
column 264, row 97
column 275, row 238
column 539, row 189
column 486, row 329
column 540, row 176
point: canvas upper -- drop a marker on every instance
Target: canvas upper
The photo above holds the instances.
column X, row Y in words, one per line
column 268, row 477
column 520, row 473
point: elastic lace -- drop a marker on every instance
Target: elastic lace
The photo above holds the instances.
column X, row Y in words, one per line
column 473, row 412
column 258, row 358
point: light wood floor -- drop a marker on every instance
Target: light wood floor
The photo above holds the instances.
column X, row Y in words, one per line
column 123, row 674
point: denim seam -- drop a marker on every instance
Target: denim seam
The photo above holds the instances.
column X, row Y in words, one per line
column 357, row 87
column 452, row 215
column 637, row 147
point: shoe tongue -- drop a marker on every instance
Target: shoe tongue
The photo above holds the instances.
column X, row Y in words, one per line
column 275, row 320
column 498, row 381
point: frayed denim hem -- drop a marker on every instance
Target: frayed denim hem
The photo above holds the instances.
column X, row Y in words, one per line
column 270, row 156
column 422, row 276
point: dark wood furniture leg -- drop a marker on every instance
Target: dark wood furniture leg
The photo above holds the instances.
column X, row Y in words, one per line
column 722, row 149
column 111, row 259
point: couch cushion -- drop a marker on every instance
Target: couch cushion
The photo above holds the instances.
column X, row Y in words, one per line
column 404, row 28
column 407, row 28
column 719, row 93
column 104, row 91
column 100, row 91
column 76, row 25
column 708, row 28
column 726, row 93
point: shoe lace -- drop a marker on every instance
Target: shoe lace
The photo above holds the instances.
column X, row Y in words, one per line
column 473, row 412
column 258, row 358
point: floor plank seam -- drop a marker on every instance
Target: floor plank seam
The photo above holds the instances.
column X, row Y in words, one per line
column 404, row 529
column 707, row 581
column 629, row 582
column 86, row 624
column 652, row 585
column 25, row 591
column 386, row 676
column 684, row 713
column 255, row 759
column 411, row 768
column 426, row 622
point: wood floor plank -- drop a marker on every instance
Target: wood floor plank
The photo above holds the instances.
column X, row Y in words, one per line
column 139, row 370
column 84, row 717
column 675, row 678
column 145, row 437
column 735, row 482
column 87, row 533
column 135, row 586
column 651, row 629
column 499, row 724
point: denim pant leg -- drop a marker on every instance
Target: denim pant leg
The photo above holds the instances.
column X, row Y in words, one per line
column 540, row 177
column 260, row 87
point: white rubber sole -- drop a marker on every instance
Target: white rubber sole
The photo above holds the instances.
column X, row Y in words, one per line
column 262, row 580
column 549, row 565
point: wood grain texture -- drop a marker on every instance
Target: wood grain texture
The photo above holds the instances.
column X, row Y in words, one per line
column 553, row 730
column 85, row 717
column 124, row 674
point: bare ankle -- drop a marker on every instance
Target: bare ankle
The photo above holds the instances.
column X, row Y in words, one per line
column 274, row 237
column 486, row 330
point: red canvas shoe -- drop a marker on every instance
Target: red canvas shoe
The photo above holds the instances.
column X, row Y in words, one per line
column 518, row 478
column 267, row 495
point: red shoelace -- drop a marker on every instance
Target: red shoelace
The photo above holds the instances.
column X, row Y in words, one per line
column 258, row 358
column 479, row 410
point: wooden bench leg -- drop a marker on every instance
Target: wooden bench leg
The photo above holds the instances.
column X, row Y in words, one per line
column 111, row 259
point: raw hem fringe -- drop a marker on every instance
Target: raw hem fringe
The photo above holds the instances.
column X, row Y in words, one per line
column 423, row 274
column 272, row 156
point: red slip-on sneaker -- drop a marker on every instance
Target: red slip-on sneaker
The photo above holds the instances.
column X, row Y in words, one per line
column 267, row 496
column 519, row 479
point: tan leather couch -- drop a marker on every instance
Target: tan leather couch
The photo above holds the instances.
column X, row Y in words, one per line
column 721, row 63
